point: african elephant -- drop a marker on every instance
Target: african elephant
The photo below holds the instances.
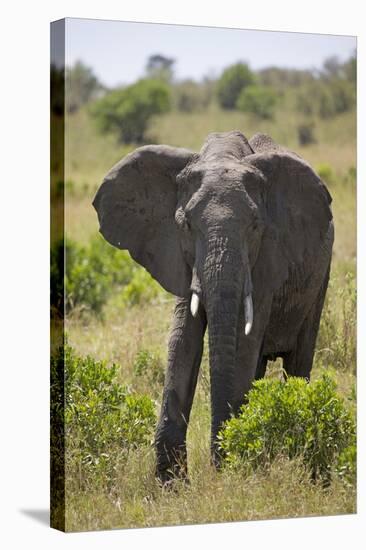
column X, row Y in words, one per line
column 242, row 234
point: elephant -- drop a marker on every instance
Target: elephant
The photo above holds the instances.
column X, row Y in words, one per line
column 242, row 234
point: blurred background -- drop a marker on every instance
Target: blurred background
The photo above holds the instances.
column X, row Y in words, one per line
column 127, row 84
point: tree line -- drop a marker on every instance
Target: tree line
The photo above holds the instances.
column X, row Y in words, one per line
column 127, row 110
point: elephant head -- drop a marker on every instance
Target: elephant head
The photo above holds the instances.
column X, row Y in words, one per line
column 222, row 228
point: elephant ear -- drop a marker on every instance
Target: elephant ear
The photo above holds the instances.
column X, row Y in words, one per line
column 297, row 206
column 136, row 206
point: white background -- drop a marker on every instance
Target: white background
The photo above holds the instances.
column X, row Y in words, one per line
column 24, row 271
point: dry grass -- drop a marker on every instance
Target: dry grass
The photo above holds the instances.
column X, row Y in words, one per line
column 284, row 491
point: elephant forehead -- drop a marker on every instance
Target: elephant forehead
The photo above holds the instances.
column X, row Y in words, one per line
column 229, row 145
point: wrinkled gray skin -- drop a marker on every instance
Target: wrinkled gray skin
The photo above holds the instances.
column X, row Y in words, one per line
column 239, row 219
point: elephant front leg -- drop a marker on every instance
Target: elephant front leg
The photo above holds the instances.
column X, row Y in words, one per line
column 184, row 358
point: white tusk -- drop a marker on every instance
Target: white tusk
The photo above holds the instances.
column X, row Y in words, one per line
column 248, row 312
column 195, row 302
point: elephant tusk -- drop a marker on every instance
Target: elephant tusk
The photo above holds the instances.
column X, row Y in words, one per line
column 248, row 313
column 195, row 302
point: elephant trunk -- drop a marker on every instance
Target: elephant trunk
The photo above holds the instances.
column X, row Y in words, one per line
column 227, row 285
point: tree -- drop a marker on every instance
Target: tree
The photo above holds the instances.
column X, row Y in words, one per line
column 160, row 67
column 332, row 68
column 232, row 81
column 190, row 96
column 81, row 86
column 350, row 69
column 258, row 100
column 282, row 78
column 127, row 111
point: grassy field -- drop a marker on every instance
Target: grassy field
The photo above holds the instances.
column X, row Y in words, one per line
column 284, row 489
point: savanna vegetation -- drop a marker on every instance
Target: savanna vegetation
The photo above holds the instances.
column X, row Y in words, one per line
column 292, row 450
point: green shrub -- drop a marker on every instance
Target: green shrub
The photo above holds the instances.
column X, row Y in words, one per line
column 189, row 96
column 290, row 419
column 232, row 81
column 141, row 288
column 325, row 173
column 346, row 467
column 258, row 100
column 326, row 98
column 81, row 86
column 148, row 363
column 93, row 272
column 103, row 420
column 127, row 111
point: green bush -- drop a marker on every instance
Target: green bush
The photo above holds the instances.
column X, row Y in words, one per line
column 232, row 81
column 81, row 86
column 141, row 288
column 346, row 467
column 93, row 272
column 326, row 98
column 103, row 420
column 325, row 173
column 189, row 96
column 290, row 419
column 127, row 111
column 148, row 363
column 258, row 100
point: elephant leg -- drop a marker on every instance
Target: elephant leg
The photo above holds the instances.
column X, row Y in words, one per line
column 250, row 363
column 299, row 361
column 261, row 366
column 184, row 358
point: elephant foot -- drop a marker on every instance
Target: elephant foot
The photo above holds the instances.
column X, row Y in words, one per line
column 172, row 466
column 172, row 484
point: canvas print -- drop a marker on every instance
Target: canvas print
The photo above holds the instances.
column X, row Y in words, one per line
column 203, row 275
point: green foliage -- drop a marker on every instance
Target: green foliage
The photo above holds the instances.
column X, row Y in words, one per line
column 103, row 420
column 159, row 67
column 350, row 70
column 148, row 364
column 127, row 111
column 259, row 100
column 141, row 288
column 325, row 172
column 337, row 338
column 87, row 274
column 346, row 467
column 232, row 81
column 81, row 86
column 93, row 272
column 326, row 98
column 290, row 419
column 189, row 96
column 282, row 78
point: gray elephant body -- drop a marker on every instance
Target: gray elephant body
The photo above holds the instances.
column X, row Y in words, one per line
column 242, row 233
